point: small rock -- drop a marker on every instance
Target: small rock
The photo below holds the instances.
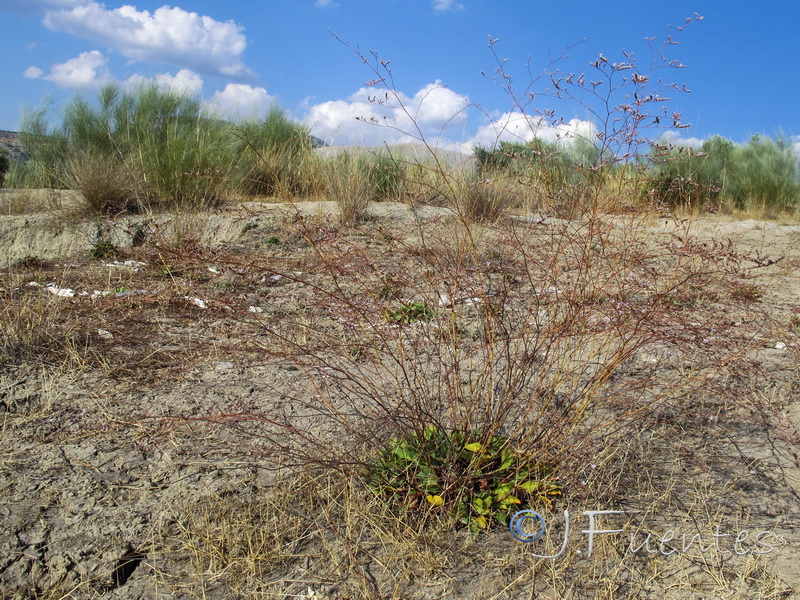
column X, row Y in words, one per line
column 61, row 292
column 197, row 302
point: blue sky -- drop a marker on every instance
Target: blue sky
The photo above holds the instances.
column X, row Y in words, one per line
column 241, row 57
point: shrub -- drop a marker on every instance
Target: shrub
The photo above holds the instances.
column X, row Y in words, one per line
column 347, row 182
column 4, row 165
column 765, row 176
column 158, row 148
column 554, row 174
column 386, row 177
column 277, row 157
column 762, row 175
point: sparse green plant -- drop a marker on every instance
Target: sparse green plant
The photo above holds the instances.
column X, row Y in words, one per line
column 407, row 314
column 104, row 250
column 453, row 472
column 30, row 262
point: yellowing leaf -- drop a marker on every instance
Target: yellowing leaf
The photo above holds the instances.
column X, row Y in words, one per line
column 474, row 447
column 435, row 500
column 481, row 522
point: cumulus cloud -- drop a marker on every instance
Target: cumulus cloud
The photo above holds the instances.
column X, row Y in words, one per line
column 371, row 117
column 185, row 82
column 33, row 73
column 676, row 139
column 89, row 70
column 239, row 100
column 167, row 35
column 518, row 127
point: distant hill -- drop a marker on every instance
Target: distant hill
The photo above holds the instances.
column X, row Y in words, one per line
column 10, row 141
column 403, row 152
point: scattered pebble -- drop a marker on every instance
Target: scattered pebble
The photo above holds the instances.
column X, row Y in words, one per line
column 61, row 292
column 134, row 265
column 197, row 302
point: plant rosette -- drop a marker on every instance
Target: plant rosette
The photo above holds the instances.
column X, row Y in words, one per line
column 477, row 482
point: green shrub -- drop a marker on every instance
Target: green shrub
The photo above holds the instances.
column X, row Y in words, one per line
column 277, row 157
column 157, row 148
column 765, row 176
column 386, row 178
column 567, row 172
column 762, row 175
column 4, row 165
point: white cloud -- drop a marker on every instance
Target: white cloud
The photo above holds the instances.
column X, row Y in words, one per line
column 239, row 100
column 168, row 35
column 446, row 5
column 33, row 73
column 674, row 138
column 87, row 70
column 324, row 3
column 439, row 106
column 372, row 117
column 522, row 128
column 184, row 82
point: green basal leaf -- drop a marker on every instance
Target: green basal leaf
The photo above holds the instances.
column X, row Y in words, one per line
column 529, row 486
column 405, row 453
column 507, row 459
column 503, row 490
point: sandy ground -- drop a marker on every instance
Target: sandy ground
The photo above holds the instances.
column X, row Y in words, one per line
column 102, row 454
